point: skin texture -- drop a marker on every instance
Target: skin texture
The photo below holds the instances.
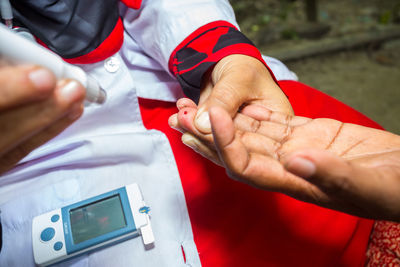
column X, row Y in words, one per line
column 34, row 107
column 234, row 81
column 341, row 166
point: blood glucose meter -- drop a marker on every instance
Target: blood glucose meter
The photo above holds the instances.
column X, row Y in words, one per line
column 91, row 224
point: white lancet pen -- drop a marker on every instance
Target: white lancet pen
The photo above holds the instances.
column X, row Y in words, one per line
column 17, row 49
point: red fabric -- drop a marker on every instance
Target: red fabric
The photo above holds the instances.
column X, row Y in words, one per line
column 384, row 248
column 236, row 225
column 132, row 3
column 107, row 48
column 204, row 40
column 312, row 103
column 172, row 59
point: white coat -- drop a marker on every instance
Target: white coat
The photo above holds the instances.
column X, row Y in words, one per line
column 108, row 147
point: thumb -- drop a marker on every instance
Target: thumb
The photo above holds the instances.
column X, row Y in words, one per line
column 227, row 94
column 335, row 176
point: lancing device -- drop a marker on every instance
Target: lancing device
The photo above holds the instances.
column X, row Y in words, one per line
column 20, row 50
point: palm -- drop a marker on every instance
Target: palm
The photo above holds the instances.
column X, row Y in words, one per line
column 367, row 171
column 358, row 167
column 278, row 135
column 352, row 142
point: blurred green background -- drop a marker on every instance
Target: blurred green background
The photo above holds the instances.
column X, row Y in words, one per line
column 349, row 49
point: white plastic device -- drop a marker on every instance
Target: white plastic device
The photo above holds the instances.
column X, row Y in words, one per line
column 18, row 49
column 91, row 224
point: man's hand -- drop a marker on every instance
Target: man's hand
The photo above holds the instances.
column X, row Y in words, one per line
column 235, row 81
column 341, row 166
column 34, row 108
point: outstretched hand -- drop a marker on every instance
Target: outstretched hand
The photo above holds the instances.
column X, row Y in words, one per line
column 341, row 166
column 235, row 80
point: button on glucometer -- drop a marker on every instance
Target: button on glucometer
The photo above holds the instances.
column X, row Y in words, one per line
column 58, row 245
column 47, row 234
column 55, row 218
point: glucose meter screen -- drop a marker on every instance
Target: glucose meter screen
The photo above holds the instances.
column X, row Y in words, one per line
column 96, row 219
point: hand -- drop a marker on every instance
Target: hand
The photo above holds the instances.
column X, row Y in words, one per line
column 34, row 108
column 341, row 166
column 235, row 80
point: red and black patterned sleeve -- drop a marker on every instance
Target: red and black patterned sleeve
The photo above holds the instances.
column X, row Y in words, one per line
column 203, row 49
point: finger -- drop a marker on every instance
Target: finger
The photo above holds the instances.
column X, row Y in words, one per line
column 261, row 113
column 252, row 168
column 24, row 84
column 185, row 118
column 274, row 131
column 174, row 124
column 20, row 124
column 228, row 93
column 364, row 189
column 259, row 144
column 329, row 172
column 183, row 121
column 185, row 102
column 229, row 146
column 239, row 163
column 11, row 158
column 262, row 138
column 201, row 148
column 185, row 125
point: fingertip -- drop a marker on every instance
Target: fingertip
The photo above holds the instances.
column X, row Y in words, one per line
column 185, row 102
column 70, row 92
column 24, row 84
column 301, row 166
column 42, row 79
column 189, row 140
column 185, row 119
column 173, row 121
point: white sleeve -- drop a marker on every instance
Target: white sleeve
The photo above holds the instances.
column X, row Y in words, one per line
column 159, row 26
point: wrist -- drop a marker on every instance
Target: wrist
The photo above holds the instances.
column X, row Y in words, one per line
column 247, row 67
column 201, row 51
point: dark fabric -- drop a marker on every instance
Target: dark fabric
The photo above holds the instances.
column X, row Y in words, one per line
column 71, row 28
column 233, row 36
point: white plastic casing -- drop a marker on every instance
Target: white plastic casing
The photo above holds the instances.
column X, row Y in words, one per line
column 17, row 49
column 142, row 220
column 44, row 252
